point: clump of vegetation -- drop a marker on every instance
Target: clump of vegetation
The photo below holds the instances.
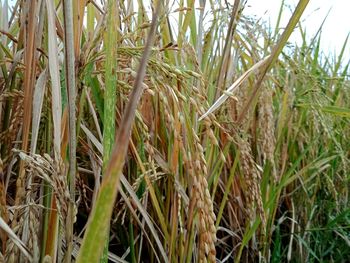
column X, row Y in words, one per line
column 169, row 132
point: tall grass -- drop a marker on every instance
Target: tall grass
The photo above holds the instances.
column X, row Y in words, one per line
column 215, row 141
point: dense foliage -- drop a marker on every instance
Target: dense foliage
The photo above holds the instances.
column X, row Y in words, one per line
column 238, row 150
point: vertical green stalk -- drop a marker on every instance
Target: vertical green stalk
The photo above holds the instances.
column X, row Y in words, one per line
column 110, row 92
column 90, row 19
column 70, row 82
column 131, row 242
column 110, row 75
column 47, row 190
column 100, row 216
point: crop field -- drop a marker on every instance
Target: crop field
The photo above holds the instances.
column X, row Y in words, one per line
column 170, row 131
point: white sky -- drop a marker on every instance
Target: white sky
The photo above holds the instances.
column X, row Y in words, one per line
column 335, row 29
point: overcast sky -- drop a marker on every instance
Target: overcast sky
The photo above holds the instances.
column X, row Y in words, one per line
column 335, row 29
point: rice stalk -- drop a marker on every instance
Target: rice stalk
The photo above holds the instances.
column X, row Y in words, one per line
column 107, row 194
column 71, row 89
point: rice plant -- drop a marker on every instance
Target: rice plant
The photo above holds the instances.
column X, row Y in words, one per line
column 169, row 131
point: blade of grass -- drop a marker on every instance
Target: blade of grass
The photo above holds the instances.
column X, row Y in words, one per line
column 39, row 92
column 29, row 79
column 234, row 86
column 70, row 82
column 111, row 38
column 98, row 224
column 55, row 78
